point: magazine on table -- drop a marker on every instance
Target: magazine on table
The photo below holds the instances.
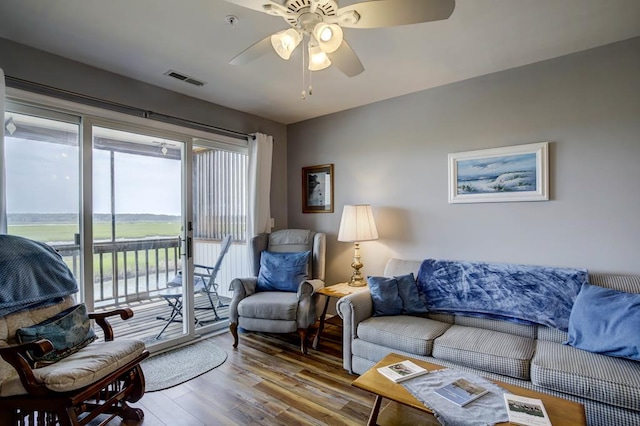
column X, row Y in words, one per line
column 401, row 371
column 526, row 411
column 461, row 392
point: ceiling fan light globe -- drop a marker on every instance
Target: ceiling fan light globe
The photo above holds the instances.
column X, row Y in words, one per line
column 329, row 36
column 318, row 59
column 285, row 42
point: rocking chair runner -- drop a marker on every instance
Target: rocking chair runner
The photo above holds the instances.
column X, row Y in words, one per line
column 101, row 378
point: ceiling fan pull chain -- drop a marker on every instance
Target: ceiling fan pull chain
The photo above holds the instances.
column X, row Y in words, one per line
column 310, row 81
column 304, row 93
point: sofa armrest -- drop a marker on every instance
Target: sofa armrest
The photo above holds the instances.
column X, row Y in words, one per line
column 101, row 320
column 353, row 309
column 241, row 287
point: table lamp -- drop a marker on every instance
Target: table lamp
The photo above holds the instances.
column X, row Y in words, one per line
column 357, row 225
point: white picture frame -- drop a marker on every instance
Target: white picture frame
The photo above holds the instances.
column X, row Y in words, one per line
column 498, row 175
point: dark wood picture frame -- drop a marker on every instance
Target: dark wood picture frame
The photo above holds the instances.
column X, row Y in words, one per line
column 317, row 189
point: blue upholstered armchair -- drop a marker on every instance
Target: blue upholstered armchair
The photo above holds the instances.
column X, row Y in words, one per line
column 288, row 268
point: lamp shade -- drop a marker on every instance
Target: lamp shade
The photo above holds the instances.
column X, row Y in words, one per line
column 357, row 224
column 285, row 42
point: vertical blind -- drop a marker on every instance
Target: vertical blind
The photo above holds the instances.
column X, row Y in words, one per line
column 219, row 197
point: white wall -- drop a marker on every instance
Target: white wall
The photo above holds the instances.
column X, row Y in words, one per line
column 393, row 155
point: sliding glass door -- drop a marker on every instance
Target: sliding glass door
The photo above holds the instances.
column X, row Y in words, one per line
column 42, row 168
column 151, row 219
column 138, row 230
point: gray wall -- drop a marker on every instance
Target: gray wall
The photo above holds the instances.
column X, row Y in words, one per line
column 34, row 65
column 393, row 155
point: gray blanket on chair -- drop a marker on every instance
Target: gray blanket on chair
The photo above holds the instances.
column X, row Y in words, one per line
column 31, row 274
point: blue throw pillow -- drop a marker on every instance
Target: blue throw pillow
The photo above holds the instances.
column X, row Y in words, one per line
column 408, row 291
column 69, row 331
column 606, row 321
column 282, row 271
column 385, row 297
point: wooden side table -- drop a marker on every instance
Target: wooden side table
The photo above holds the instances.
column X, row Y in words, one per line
column 337, row 291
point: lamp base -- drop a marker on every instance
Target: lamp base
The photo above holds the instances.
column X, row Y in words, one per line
column 355, row 282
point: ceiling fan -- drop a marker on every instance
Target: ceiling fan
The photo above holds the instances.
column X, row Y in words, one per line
column 321, row 22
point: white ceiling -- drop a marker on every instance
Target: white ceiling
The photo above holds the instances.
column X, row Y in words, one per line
column 143, row 39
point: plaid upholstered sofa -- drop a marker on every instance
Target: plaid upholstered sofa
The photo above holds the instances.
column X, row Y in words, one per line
column 528, row 355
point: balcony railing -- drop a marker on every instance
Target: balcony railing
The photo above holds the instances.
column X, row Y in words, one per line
column 143, row 267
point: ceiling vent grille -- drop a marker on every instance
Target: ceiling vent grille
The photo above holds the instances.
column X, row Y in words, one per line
column 185, row 78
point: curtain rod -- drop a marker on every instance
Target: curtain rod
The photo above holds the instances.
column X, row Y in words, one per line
column 18, row 83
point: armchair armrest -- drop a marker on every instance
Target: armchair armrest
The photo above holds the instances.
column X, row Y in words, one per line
column 241, row 287
column 353, row 309
column 309, row 288
column 307, row 302
column 101, row 320
column 16, row 356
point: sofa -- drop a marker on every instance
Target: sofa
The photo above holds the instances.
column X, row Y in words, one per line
column 526, row 354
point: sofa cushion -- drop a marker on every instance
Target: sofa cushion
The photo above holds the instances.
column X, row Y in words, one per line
column 606, row 321
column 524, row 330
column 385, row 297
column 408, row 291
column 486, row 350
column 602, row 378
column 552, row 334
column 275, row 305
column 414, row 335
column 81, row 369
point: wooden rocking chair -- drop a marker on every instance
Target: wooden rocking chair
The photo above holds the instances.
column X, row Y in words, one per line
column 98, row 379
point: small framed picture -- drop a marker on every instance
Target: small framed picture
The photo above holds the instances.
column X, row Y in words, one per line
column 317, row 189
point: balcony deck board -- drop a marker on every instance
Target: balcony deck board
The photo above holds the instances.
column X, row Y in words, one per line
column 146, row 325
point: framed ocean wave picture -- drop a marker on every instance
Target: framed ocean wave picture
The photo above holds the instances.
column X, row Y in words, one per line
column 514, row 173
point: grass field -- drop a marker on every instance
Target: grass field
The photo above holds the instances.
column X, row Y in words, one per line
column 64, row 232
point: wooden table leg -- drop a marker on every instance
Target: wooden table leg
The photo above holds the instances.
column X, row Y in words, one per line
column 316, row 339
column 375, row 410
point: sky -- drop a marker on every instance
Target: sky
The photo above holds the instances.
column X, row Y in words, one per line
column 44, row 178
column 494, row 166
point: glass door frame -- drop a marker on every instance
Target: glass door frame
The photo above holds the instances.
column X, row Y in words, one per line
column 188, row 312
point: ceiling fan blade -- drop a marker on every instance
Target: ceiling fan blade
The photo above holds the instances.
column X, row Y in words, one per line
column 389, row 13
column 254, row 52
column 255, row 4
column 346, row 60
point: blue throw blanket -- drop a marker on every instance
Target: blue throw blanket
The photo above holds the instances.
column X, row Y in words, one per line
column 31, row 274
column 516, row 293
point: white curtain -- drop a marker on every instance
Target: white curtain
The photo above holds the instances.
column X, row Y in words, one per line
column 260, row 155
column 3, row 184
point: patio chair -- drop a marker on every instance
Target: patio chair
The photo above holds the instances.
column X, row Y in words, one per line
column 204, row 281
column 53, row 371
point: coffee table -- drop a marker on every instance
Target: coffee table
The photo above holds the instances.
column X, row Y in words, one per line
column 561, row 412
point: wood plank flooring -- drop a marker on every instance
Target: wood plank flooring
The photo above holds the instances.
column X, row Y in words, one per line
column 265, row 381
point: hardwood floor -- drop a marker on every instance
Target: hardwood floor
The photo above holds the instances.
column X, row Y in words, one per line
column 265, row 381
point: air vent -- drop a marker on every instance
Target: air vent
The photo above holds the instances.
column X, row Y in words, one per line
column 185, row 78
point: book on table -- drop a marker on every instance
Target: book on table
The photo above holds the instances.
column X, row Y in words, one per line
column 526, row 411
column 401, row 371
column 461, row 392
